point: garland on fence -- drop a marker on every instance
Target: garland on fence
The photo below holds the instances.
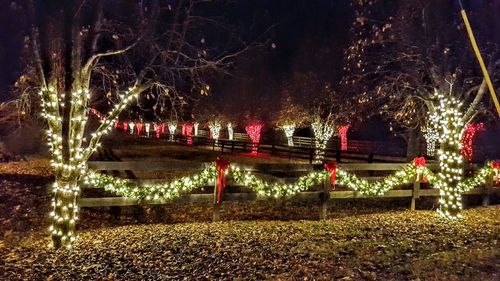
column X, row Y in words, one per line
column 481, row 177
column 219, row 170
column 167, row 190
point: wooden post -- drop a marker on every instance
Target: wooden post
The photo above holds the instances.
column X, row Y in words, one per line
column 311, row 155
column 232, row 146
column 324, row 198
column 486, row 190
column 338, row 157
column 415, row 194
column 216, row 207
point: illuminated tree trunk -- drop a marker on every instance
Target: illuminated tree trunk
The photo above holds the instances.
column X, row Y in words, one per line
column 65, row 210
column 450, row 126
column 323, row 131
column 289, row 130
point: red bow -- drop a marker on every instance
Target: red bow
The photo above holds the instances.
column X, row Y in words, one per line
column 419, row 162
column 222, row 166
column 117, row 123
column 331, row 167
column 125, row 126
column 496, row 166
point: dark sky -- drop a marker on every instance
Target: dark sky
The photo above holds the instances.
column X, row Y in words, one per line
column 302, row 28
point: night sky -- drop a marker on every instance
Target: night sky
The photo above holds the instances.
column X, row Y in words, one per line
column 307, row 36
column 299, row 27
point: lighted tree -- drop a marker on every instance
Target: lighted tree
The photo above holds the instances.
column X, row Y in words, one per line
column 470, row 132
column 253, row 130
column 230, row 130
column 323, row 129
column 450, row 126
column 342, row 131
column 85, row 50
column 172, row 128
column 215, row 126
column 403, row 51
column 290, row 116
column 431, row 138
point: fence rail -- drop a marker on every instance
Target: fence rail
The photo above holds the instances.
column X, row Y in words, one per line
column 322, row 192
column 306, row 153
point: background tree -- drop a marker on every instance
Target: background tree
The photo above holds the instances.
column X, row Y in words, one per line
column 401, row 52
column 82, row 51
column 290, row 116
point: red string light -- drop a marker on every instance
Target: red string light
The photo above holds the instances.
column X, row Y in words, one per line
column 253, row 131
column 470, row 132
column 343, row 136
column 187, row 130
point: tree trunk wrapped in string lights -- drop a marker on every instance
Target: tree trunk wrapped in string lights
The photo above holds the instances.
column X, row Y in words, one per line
column 450, row 127
column 323, row 131
column 73, row 63
column 214, row 127
column 253, row 130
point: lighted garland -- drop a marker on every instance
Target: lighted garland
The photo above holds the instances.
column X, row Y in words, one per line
column 277, row 190
column 480, row 178
column 174, row 189
column 157, row 191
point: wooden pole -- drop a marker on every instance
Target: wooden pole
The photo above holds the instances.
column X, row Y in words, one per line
column 324, row 198
column 415, row 194
column 480, row 59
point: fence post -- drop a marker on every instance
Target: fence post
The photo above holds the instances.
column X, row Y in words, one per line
column 338, row 156
column 486, row 192
column 311, row 155
column 216, row 207
column 232, row 146
column 324, row 198
column 415, row 194
column 222, row 146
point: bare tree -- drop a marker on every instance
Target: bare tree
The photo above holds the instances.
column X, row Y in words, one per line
column 87, row 50
column 402, row 52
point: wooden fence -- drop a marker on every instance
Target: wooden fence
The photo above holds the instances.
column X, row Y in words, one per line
column 306, row 153
column 276, row 172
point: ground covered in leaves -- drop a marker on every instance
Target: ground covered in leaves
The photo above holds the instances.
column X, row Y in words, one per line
column 275, row 240
column 398, row 245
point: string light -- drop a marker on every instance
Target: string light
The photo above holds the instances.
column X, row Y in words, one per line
column 431, row 137
column 196, row 125
column 289, row 130
column 172, row 127
column 343, row 136
column 470, row 132
column 72, row 167
column 131, row 126
column 187, row 130
column 230, row 131
column 448, row 120
column 322, row 133
column 214, row 128
column 253, row 130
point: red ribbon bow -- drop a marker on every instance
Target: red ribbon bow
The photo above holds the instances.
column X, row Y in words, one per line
column 419, row 162
column 117, row 123
column 222, row 166
column 496, row 166
column 331, row 167
column 125, row 126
